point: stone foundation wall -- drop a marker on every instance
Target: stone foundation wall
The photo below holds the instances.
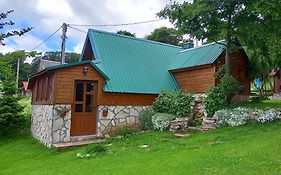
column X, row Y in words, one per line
column 117, row 117
column 48, row 126
column 41, row 123
column 61, row 124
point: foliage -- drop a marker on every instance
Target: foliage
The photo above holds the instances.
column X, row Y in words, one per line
column 125, row 131
column 165, row 35
column 11, row 116
column 145, row 119
column 173, row 102
column 269, row 115
column 161, row 121
column 56, row 56
column 230, row 87
column 96, row 149
column 124, row 32
column 220, row 96
column 240, row 116
column 214, row 100
column 233, row 117
column 10, row 23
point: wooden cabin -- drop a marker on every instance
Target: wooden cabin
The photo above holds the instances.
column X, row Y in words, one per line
column 116, row 78
column 275, row 73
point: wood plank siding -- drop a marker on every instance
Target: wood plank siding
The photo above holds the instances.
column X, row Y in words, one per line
column 239, row 69
column 65, row 83
column 196, row 80
column 42, row 89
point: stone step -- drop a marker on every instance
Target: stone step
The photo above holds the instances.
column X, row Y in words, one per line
column 78, row 143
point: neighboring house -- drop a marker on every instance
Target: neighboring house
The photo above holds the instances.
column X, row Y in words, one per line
column 24, row 88
column 43, row 64
column 116, row 78
column 275, row 73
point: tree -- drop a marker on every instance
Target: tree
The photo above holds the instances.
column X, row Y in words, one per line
column 165, row 35
column 213, row 20
column 56, row 56
column 11, row 116
column 10, row 23
column 124, row 32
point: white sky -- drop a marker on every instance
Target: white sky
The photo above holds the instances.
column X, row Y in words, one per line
column 48, row 15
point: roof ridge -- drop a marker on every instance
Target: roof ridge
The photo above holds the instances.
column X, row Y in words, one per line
column 204, row 45
column 135, row 38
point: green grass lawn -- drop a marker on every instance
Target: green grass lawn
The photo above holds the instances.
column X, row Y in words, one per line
column 250, row 149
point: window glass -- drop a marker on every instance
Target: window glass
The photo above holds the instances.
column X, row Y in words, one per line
column 79, row 91
column 78, row 107
column 89, row 103
column 90, row 87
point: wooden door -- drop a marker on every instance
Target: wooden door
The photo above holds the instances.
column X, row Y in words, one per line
column 84, row 108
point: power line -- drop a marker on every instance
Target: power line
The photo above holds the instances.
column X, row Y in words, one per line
column 77, row 29
column 111, row 25
column 46, row 39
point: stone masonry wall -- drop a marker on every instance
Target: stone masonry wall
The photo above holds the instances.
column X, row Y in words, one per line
column 61, row 124
column 117, row 117
column 48, row 126
column 41, row 123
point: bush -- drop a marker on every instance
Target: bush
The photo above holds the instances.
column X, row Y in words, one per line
column 11, row 112
column 96, row 149
column 173, row 102
column 220, row 96
column 233, row 117
column 264, row 116
column 240, row 116
column 125, row 132
column 161, row 121
column 145, row 119
column 229, row 86
column 214, row 100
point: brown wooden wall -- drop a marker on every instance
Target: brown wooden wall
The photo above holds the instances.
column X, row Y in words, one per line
column 42, row 89
column 239, row 69
column 196, row 80
column 65, row 83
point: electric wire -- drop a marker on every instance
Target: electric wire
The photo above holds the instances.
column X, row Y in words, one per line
column 46, row 39
column 111, row 25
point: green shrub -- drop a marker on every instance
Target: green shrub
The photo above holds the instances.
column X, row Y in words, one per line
column 230, row 87
column 11, row 112
column 125, row 132
column 220, row 96
column 214, row 101
column 145, row 119
column 161, row 121
column 173, row 102
column 97, row 149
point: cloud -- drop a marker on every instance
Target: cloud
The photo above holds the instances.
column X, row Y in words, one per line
column 48, row 15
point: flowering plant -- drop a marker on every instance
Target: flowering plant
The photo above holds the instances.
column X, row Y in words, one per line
column 161, row 121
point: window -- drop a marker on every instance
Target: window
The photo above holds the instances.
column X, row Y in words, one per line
column 43, row 88
column 84, row 94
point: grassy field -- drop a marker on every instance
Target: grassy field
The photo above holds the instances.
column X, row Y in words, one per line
column 251, row 149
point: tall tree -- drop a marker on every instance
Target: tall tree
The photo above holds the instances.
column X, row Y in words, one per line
column 165, row 35
column 4, row 35
column 213, row 20
column 124, row 32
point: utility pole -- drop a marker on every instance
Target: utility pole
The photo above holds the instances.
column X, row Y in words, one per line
column 63, row 38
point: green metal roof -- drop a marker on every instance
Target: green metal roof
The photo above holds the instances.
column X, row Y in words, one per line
column 198, row 56
column 133, row 65
column 95, row 65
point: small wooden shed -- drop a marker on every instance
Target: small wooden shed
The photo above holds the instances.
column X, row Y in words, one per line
column 116, row 78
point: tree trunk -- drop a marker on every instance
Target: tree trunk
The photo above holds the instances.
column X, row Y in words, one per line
column 228, row 47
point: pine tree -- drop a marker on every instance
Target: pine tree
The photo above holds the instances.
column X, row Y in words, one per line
column 11, row 116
